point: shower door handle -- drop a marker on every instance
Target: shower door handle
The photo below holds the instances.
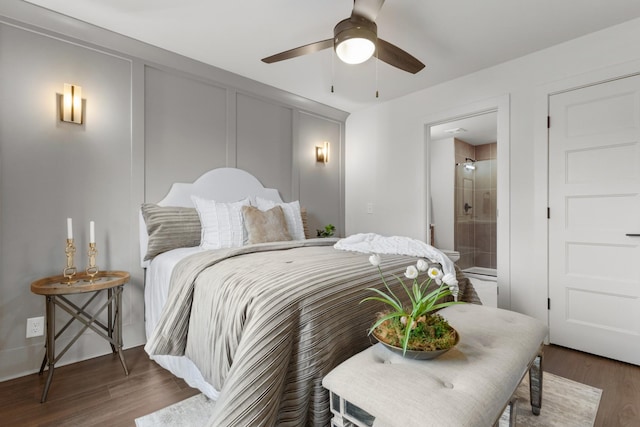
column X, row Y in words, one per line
column 632, row 234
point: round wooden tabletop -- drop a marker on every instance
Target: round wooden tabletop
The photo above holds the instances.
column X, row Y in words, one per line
column 58, row 285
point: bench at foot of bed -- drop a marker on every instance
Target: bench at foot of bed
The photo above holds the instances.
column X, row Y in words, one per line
column 470, row 385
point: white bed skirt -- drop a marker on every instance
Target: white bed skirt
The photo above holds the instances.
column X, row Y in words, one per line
column 157, row 277
column 183, row 367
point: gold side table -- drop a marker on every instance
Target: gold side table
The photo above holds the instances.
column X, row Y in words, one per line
column 55, row 291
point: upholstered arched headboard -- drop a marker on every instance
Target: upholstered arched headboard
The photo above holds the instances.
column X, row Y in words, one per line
column 221, row 185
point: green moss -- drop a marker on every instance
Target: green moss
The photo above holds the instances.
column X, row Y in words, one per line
column 431, row 332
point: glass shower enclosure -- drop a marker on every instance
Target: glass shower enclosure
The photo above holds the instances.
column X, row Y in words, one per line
column 475, row 215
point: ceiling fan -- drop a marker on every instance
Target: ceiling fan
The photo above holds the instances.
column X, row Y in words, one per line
column 355, row 40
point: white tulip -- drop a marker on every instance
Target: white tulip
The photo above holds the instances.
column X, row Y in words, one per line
column 375, row 260
column 422, row 265
column 435, row 273
column 411, row 272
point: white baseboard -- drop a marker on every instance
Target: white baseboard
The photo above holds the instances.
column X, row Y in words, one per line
column 18, row 362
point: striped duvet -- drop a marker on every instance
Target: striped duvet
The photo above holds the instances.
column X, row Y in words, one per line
column 264, row 323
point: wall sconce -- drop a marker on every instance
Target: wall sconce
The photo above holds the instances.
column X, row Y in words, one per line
column 322, row 153
column 71, row 108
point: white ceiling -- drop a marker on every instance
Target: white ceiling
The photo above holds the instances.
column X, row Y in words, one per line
column 475, row 130
column 452, row 38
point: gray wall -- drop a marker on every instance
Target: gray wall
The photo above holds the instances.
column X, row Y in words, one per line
column 321, row 185
column 152, row 118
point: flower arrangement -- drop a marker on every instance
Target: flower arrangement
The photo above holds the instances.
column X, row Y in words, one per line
column 417, row 327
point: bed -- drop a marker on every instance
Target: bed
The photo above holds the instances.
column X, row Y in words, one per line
column 256, row 326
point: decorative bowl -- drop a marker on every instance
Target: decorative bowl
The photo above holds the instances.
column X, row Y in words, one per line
column 417, row 354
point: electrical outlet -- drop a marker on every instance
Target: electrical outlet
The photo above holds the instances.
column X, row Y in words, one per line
column 35, row 327
column 369, row 208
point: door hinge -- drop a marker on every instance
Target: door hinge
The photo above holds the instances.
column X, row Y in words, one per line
column 548, row 303
column 548, row 122
column 548, row 213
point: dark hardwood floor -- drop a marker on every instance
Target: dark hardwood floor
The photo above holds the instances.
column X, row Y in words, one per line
column 97, row 393
column 93, row 392
column 619, row 382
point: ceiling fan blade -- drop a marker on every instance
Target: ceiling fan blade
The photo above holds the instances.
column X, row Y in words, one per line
column 397, row 57
column 367, row 8
column 299, row 51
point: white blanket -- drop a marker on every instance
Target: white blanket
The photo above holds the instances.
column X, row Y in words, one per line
column 371, row 243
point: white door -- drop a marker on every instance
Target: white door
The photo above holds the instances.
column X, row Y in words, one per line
column 594, row 200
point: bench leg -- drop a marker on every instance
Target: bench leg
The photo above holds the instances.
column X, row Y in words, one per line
column 513, row 412
column 535, row 384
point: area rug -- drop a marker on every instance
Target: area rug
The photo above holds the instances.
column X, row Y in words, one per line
column 565, row 403
column 191, row 412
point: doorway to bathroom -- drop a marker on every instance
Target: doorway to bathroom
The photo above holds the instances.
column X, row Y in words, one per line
column 468, row 208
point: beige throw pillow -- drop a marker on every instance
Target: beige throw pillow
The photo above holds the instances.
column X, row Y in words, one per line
column 265, row 226
column 292, row 215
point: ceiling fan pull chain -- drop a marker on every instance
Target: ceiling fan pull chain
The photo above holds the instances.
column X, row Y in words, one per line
column 333, row 54
column 377, row 94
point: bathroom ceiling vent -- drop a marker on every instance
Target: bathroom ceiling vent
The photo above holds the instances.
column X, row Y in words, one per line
column 454, row 131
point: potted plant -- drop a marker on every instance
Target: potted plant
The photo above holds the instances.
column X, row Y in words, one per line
column 327, row 231
column 415, row 329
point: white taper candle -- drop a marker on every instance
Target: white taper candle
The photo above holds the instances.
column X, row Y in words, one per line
column 92, row 232
column 69, row 229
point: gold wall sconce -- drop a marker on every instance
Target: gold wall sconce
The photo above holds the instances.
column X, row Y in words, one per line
column 322, row 153
column 71, row 104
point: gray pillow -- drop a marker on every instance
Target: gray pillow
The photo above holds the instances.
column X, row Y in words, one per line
column 170, row 227
column 265, row 226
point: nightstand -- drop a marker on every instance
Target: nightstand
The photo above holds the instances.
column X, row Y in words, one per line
column 56, row 288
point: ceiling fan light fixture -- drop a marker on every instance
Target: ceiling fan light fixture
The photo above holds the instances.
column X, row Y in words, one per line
column 355, row 50
column 355, row 40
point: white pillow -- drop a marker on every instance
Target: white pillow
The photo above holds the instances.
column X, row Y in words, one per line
column 222, row 223
column 291, row 215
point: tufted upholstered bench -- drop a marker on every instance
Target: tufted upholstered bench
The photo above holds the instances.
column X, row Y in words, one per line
column 470, row 385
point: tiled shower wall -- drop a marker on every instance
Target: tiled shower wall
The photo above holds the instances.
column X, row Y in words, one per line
column 475, row 228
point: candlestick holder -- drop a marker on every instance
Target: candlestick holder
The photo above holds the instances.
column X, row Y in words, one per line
column 70, row 271
column 92, row 269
